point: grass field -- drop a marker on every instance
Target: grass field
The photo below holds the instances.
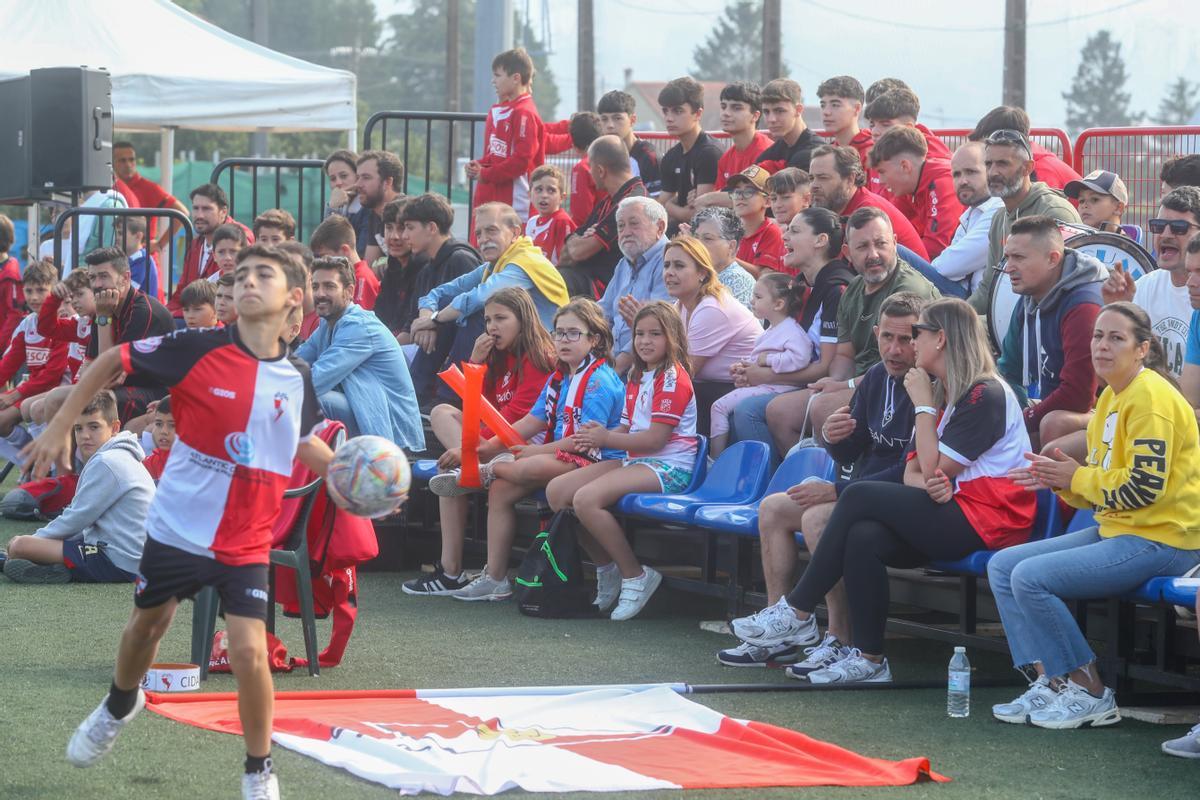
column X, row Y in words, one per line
column 58, row 646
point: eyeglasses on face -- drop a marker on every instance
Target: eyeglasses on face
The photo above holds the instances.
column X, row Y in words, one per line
column 1179, row 227
column 570, row 336
column 745, row 194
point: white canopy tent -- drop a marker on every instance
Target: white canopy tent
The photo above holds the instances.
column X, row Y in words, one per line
column 171, row 69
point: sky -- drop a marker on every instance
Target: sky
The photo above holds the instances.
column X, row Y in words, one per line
column 949, row 51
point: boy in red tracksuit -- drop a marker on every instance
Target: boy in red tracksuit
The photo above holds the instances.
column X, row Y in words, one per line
column 904, row 164
column 45, row 358
column 74, row 331
column 550, row 226
column 894, row 108
column 513, row 136
column 12, row 300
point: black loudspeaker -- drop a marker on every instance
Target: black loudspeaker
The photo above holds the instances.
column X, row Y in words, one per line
column 16, row 142
column 72, row 129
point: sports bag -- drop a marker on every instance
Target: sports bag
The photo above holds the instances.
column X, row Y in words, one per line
column 550, row 580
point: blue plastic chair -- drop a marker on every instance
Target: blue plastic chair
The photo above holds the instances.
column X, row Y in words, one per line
column 424, row 469
column 1081, row 521
column 1046, row 524
column 738, row 476
column 742, row 518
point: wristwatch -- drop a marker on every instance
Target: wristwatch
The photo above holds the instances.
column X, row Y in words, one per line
column 103, row 319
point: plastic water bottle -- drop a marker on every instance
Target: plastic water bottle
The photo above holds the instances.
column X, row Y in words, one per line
column 958, row 692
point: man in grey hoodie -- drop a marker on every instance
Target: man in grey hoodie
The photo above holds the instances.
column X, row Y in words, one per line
column 1047, row 353
column 98, row 538
column 1008, row 159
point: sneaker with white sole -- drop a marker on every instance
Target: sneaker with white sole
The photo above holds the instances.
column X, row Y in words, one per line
column 853, row 668
column 751, row 655
column 1038, row 696
column 446, row 484
column 1186, row 746
column 260, row 786
column 635, row 593
column 830, row 650
column 484, row 588
column 435, row 584
column 775, row 626
column 608, row 588
column 1076, row 707
column 94, row 737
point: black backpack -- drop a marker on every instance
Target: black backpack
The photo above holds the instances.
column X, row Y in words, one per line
column 550, row 580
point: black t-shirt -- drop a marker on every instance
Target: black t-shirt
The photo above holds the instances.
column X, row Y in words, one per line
column 396, row 305
column 646, row 160
column 781, row 155
column 884, row 431
column 818, row 315
column 604, row 218
column 139, row 316
column 682, row 172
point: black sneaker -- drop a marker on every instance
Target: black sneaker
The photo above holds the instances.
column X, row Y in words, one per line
column 435, row 583
column 21, row 570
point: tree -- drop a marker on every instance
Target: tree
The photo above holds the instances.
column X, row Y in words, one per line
column 1181, row 103
column 1096, row 98
column 733, row 51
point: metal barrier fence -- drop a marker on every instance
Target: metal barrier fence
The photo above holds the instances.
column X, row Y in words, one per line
column 446, row 136
column 287, row 171
column 75, row 214
column 1137, row 155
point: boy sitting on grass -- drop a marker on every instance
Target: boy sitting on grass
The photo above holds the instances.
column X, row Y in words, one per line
column 99, row 537
column 199, row 301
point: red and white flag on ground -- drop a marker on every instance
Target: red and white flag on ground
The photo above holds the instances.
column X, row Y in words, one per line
column 602, row 740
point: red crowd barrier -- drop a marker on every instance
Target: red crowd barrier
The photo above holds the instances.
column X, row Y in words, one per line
column 1137, row 155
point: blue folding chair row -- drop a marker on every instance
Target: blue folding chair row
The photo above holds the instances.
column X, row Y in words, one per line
column 742, row 518
column 1046, row 524
column 738, row 476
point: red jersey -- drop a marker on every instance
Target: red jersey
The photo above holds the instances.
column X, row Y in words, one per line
column 906, row 234
column 584, row 192
column 514, row 390
column 155, row 462
column 863, row 141
column 239, row 421
column 935, row 206
column 75, row 331
column 512, row 148
column 550, row 232
column 733, row 161
column 1050, row 169
column 664, row 396
column 764, row 247
column 12, row 300
column 936, row 148
column 193, row 270
column 366, row 285
column 45, row 358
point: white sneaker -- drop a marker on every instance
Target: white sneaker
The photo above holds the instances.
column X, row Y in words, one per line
column 829, row 651
column 635, row 593
column 1038, row 696
column 775, row 626
column 446, row 484
column 1186, row 746
column 94, row 737
column 608, row 588
column 486, row 476
column 854, row 668
column 485, row 588
column 260, row 786
column 1076, row 707
column 751, row 655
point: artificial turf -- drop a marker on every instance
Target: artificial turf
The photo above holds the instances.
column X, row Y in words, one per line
column 59, row 641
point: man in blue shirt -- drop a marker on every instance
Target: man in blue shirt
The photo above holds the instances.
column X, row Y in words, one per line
column 638, row 277
column 512, row 260
column 358, row 370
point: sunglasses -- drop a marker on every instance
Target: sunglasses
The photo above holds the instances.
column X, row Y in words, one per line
column 1179, row 227
column 1009, row 137
column 923, row 326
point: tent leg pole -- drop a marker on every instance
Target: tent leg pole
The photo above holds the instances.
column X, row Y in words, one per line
column 166, row 159
column 352, row 140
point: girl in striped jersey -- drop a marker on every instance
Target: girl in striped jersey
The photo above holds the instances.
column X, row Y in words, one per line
column 658, row 433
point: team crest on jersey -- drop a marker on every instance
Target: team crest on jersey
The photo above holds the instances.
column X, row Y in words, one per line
column 281, row 404
column 240, row 447
column 147, row 345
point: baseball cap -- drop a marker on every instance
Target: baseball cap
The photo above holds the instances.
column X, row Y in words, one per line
column 1099, row 180
column 754, row 175
column 1011, row 138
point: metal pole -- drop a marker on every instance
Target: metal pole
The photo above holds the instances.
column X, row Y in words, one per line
column 772, row 49
column 260, row 29
column 453, row 79
column 1014, row 53
column 166, row 158
column 586, row 64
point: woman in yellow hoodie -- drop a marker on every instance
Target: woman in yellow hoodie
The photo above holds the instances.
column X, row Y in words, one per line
column 1142, row 480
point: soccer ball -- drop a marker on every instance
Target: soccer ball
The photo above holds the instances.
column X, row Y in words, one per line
column 369, row 476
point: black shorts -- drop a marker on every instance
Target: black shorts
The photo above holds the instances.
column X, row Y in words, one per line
column 168, row 573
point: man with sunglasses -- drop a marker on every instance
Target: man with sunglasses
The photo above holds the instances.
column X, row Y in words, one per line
column 1163, row 292
column 1009, row 161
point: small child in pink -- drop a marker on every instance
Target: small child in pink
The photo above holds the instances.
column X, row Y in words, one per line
column 784, row 347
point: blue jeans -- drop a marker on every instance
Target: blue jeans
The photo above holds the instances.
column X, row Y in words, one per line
column 749, row 420
column 947, row 287
column 335, row 406
column 1031, row 581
